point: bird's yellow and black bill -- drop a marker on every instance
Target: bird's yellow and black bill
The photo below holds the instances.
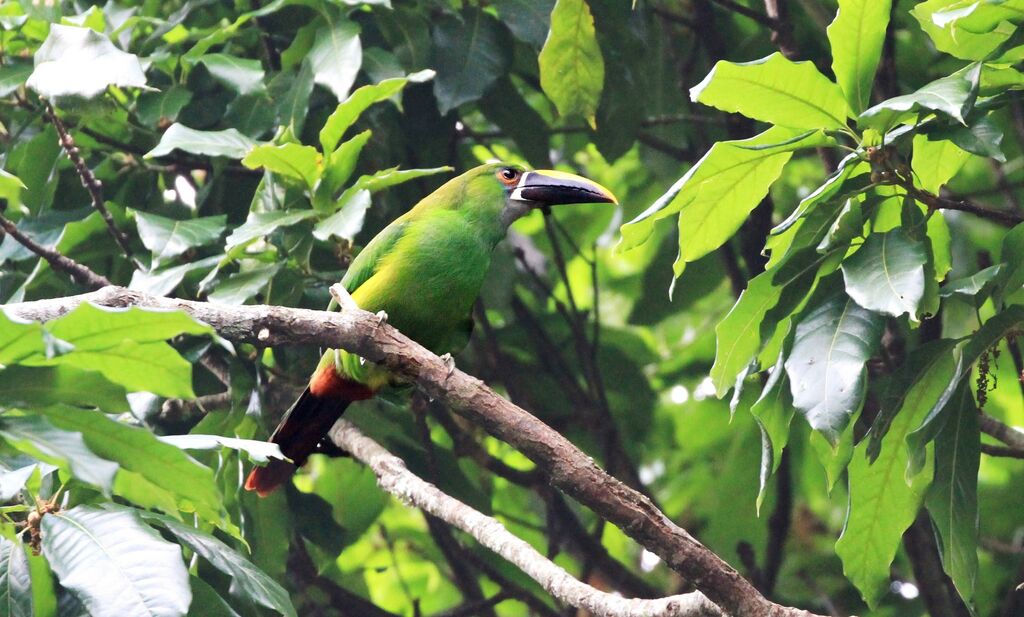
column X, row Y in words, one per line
column 546, row 187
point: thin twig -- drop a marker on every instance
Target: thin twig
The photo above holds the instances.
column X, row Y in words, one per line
column 1002, row 451
column 1009, row 435
column 79, row 273
column 89, row 181
column 746, row 11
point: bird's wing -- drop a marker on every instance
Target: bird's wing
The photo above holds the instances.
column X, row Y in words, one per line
column 368, row 260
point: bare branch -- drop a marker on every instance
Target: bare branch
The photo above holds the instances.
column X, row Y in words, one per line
column 569, row 469
column 78, row 273
column 394, row 478
column 89, row 181
column 1009, row 435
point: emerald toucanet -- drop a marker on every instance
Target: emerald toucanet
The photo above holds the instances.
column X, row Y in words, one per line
column 424, row 270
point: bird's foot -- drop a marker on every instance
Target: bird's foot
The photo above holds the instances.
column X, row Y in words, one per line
column 345, row 301
column 382, row 318
column 449, row 362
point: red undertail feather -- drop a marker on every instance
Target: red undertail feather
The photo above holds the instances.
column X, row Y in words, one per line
column 305, row 425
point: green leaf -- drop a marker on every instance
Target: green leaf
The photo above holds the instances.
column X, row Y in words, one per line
column 529, row 20
column 774, row 90
column 248, row 581
column 338, row 170
column 741, row 335
column 15, row 580
column 471, row 51
column 721, row 189
column 140, row 367
column 206, row 602
column 962, row 44
column 239, row 287
column 154, row 108
column 167, row 237
column 827, row 366
column 162, row 282
column 138, row 450
column 19, row 339
column 261, row 224
column 83, row 63
column 291, row 92
column 953, row 498
column 10, row 189
column 856, row 37
column 952, row 95
column 1012, row 254
column 243, row 75
column 886, row 274
column 347, row 221
column 36, row 437
column 92, row 327
column 291, row 160
column 390, row 177
column 881, row 507
column 116, row 565
column 45, row 385
column 13, row 75
column 773, row 413
column 229, row 142
column 973, row 285
column 571, row 65
column 347, row 112
column 936, row 161
column 979, row 17
column 336, row 56
column 257, row 451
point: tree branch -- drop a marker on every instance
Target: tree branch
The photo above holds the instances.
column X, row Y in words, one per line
column 1009, row 435
column 78, row 273
column 568, row 469
column 394, row 478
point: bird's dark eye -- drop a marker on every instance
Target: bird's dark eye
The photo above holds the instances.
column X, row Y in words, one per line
column 508, row 175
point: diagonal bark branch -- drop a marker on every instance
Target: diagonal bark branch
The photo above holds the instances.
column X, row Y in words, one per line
column 568, row 468
column 396, row 479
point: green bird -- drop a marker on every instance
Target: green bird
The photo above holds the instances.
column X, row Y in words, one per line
column 424, row 271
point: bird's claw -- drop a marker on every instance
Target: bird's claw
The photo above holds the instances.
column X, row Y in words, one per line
column 382, row 318
column 449, row 362
column 345, row 301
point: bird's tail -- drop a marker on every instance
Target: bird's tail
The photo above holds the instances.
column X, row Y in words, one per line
column 304, row 426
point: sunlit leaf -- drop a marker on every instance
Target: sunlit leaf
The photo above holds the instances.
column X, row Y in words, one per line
column 243, row 75
column 953, row 96
column 336, row 56
column 347, row 112
column 347, row 221
column 256, row 451
column 936, row 161
column 35, row 436
column 775, row 90
column 167, row 237
column 571, row 65
column 292, row 160
column 887, row 273
column 116, row 565
column 46, row 385
column 856, row 36
column 229, row 142
column 82, row 62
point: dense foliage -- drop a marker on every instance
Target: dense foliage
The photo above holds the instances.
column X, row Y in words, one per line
column 846, row 275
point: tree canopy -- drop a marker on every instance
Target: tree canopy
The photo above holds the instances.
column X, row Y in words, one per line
column 797, row 336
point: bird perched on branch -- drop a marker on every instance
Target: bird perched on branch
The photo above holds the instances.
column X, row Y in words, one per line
column 422, row 272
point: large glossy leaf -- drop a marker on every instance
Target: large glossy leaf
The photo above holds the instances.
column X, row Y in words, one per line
column 229, row 142
column 138, row 450
column 336, row 56
column 775, row 90
column 960, row 43
column 953, row 96
column 302, row 163
column 46, row 385
column 953, row 498
column 979, row 17
column 248, row 581
column 856, row 37
column 347, row 112
column 166, row 237
column 35, row 436
column 471, row 52
column 722, row 188
column 10, row 188
column 83, row 63
column 115, row 564
column 571, row 65
column 935, row 162
column 347, row 221
column 241, row 286
column 886, row 274
column 338, row 169
column 15, row 580
column 92, row 327
column 164, row 106
column 260, row 224
column 12, row 75
column 827, row 365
